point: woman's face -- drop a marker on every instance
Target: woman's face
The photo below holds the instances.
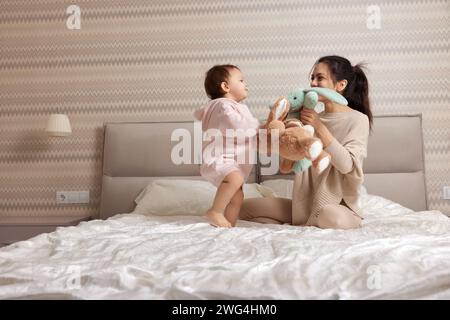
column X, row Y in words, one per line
column 321, row 77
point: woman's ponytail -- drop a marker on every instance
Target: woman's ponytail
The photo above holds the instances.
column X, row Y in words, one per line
column 357, row 93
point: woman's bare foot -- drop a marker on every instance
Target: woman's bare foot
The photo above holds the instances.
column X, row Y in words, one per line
column 217, row 219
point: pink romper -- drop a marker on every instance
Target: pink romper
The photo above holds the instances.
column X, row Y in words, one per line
column 222, row 114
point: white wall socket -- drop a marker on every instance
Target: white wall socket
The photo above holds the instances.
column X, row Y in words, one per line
column 72, row 197
column 447, row 192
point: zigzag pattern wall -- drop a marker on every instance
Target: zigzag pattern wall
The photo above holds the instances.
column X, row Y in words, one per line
column 145, row 60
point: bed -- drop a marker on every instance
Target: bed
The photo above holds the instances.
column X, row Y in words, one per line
column 400, row 253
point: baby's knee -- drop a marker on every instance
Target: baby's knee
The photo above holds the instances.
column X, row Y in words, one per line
column 235, row 179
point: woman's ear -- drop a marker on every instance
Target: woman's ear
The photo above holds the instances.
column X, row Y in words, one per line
column 341, row 85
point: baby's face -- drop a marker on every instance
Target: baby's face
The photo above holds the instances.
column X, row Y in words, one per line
column 236, row 83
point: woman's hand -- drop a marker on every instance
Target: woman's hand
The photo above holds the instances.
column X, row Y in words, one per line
column 308, row 116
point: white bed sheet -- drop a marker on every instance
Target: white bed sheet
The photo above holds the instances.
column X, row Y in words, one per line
column 398, row 254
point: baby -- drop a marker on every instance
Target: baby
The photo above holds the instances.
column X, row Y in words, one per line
column 226, row 87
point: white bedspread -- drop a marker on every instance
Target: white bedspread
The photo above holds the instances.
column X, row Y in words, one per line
column 397, row 254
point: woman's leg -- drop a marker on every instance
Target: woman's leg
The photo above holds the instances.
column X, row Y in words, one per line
column 335, row 217
column 267, row 210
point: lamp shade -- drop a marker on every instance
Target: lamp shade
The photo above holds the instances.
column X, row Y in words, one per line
column 58, row 125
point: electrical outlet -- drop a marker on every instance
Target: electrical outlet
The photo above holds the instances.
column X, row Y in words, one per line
column 447, row 192
column 83, row 197
column 64, row 197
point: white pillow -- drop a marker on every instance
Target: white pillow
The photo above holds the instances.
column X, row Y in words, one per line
column 254, row 190
column 281, row 187
column 165, row 197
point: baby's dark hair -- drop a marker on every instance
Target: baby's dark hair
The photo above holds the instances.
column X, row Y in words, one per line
column 214, row 78
column 357, row 90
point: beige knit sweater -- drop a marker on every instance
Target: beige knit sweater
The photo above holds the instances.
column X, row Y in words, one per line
column 343, row 177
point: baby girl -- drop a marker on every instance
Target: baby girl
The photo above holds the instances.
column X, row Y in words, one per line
column 226, row 87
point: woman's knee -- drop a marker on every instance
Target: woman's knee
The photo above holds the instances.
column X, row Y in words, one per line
column 247, row 209
column 335, row 217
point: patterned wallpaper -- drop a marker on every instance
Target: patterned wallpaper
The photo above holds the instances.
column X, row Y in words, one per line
column 145, row 60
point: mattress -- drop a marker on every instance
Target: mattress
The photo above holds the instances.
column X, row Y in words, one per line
column 397, row 254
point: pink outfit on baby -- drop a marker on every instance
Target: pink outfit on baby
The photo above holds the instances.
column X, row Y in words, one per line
column 223, row 114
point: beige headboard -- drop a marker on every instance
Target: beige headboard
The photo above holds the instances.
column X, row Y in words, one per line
column 135, row 153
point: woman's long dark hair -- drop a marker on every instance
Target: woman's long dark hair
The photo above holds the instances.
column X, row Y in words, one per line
column 357, row 90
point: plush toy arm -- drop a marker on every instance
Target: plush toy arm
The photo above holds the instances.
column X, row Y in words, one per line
column 329, row 94
column 302, row 165
column 278, row 111
column 286, row 165
column 311, row 99
column 321, row 162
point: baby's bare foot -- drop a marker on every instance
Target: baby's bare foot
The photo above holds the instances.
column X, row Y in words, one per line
column 217, row 219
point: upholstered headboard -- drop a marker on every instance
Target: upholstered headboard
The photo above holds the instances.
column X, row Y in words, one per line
column 135, row 153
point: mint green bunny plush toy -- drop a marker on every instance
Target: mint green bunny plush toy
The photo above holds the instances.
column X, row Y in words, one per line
column 308, row 98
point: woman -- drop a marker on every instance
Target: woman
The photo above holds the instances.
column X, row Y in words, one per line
column 330, row 199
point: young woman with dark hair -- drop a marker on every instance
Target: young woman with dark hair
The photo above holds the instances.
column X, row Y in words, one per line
column 329, row 199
